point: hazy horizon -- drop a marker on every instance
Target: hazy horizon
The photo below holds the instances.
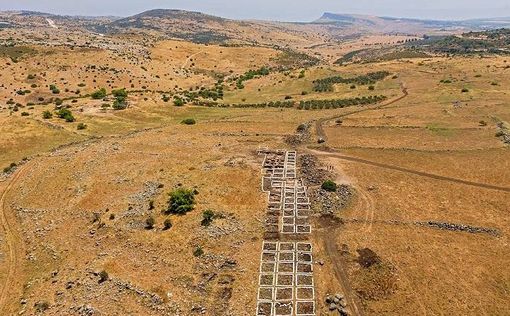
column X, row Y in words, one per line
column 282, row 10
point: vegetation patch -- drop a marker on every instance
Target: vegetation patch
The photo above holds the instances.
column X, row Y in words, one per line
column 326, row 84
column 181, row 201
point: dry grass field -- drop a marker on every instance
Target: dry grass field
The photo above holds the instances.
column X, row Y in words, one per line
column 79, row 203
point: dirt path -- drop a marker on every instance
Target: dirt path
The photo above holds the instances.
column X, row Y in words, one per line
column 11, row 286
column 188, row 59
column 319, row 125
column 333, row 154
column 327, row 227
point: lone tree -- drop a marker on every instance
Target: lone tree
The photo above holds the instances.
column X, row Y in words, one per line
column 329, row 186
column 181, row 201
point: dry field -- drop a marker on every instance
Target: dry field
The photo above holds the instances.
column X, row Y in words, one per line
column 435, row 130
column 78, row 205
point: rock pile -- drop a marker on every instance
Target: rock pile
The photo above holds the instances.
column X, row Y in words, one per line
column 503, row 133
column 338, row 303
column 460, row 227
column 311, row 170
column 302, row 135
column 329, row 202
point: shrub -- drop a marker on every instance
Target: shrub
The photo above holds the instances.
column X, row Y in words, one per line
column 30, row 77
column 167, row 224
column 10, row 167
column 329, row 186
column 482, row 123
column 464, row 90
column 58, row 102
column 498, row 134
column 198, row 251
column 81, row 126
column 99, row 94
column 371, row 88
column 189, row 121
column 66, row 114
column 25, row 114
column 41, row 306
column 181, row 201
column 47, row 115
column 178, row 101
column 166, row 98
column 119, row 105
column 103, row 276
column 207, row 217
column 149, row 222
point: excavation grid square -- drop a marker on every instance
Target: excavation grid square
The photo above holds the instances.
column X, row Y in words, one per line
column 286, row 279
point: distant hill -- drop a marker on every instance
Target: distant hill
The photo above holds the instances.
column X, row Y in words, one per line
column 392, row 24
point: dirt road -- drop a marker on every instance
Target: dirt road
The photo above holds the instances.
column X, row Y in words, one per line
column 328, row 227
column 319, row 125
column 334, row 154
column 11, row 286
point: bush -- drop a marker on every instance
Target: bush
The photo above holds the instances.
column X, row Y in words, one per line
column 58, row 102
column 99, row 94
column 66, row 115
column 25, row 114
column 178, row 101
column 166, row 98
column 198, row 251
column 47, row 115
column 464, row 90
column 41, row 306
column 119, row 105
column 103, row 276
column 329, row 186
column 371, row 88
column 149, row 222
column 81, row 126
column 10, row 167
column 482, row 123
column 189, row 121
column 208, row 216
column 181, row 201
column 167, row 224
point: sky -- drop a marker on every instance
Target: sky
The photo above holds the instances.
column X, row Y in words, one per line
column 282, row 10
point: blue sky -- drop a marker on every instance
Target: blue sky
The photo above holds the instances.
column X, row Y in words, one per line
column 284, row 10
